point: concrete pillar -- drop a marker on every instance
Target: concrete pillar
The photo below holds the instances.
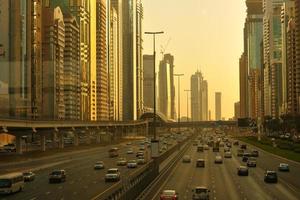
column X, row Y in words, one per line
column 43, row 142
column 146, row 129
column 76, row 139
column 19, row 149
column 88, row 137
column 54, row 138
column 98, row 138
column 61, row 141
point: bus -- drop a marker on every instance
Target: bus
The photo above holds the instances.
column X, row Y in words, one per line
column 113, row 152
column 10, row 183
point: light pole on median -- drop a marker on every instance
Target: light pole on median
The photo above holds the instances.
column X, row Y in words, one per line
column 154, row 81
column 178, row 76
column 187, row 104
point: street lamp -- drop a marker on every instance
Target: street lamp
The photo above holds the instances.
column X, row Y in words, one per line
column 187, row 103
column 178, row 76
column 154, row 80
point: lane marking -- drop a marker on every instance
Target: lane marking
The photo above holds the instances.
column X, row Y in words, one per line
column 47, row 193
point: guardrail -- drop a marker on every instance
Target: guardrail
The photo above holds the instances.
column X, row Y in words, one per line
column 135, row 184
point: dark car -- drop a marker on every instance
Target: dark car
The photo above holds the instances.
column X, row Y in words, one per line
column 57, row 176
column 243, row 146
column 242, row 171
column 28, row 176
column 200, row 163
column 236, row 143
column 216, row 149
column 271, row 177
column 254, row 153
column 251, row 162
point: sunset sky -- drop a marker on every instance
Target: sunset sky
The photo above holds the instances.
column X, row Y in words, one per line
column 205, row 35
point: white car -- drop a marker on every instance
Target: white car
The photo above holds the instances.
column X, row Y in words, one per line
column 121, row 162
column 284, row 167
column 228, row 154
column 186, row 159
column 141, row 161
column 132, row 164
column 99, row 165
column 219, row 159
column 113, row 175
column 130, row 151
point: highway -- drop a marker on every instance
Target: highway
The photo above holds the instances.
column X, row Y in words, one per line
column 83, row 182
column 224, row 183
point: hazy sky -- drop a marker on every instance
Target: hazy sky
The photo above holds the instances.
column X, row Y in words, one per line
column 205, row 35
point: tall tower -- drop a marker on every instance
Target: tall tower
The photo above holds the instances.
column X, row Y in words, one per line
column 218, row 106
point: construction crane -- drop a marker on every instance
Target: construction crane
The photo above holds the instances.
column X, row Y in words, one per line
column 163, row 49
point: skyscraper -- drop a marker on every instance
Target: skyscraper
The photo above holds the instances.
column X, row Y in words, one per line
column 148, row 84
column 71, row 68
column 243, row 86
column 199, row 97
column 25, row 59
column 218, row 106
column 237, row 110
column 166, row 91
column 53, row 64
column 132, row 14
column 115, row 60
column 102, row 67
column 297, row 70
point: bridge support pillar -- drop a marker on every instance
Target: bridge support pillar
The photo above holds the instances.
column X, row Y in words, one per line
column 61, row 141
column 146, row 129
column 19, row 148
column 89, row 134
column 76, row 139
column 43, row 142
column 98, row 138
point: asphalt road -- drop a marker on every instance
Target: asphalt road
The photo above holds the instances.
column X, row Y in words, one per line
column 224, row 183
column 83, row 182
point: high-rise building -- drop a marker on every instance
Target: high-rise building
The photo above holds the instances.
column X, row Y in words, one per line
column 148, row 81
column 25, row 58
column 272, row 47
column 115, row 60
column 253, row 41
column 297, row 22
column 132, row 14
column 4, row 58
column 102, row 67
column 166, row 89
column 199, row 98
column 237, row 110
column 71, row 68
column 53, row 64
column 243, row 86
column 218, row 106
column 81, row 11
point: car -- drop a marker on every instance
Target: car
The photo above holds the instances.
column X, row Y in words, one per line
column 132, row 164
column 254, row 153
column 121, row 162
column 200, row 148
column 142, row 148
column 240, row 152
column 28, row 176
column 169, row 194
column 139, row 153
column 206, row 147
column 130, row 151
column 270, row 177
column 200, row 193
column 186, row 159
column 243, row 146
column 141, row 161
column 228, row 154
column 236, row 143
column 99, row 165
column 112, row 175
column 200, row 163
column 251, row 162
column 245, row 158
column 129, row 143
column 219, row 159
column 284, row 167
column 221, row 144
column 216, row 149
column 57, row 176
column 228, row 144
column 226, row 149
column 242, row 171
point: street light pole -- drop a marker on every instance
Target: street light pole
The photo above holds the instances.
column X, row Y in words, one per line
column 187, row 103
column 178, row 76
column 154, row 81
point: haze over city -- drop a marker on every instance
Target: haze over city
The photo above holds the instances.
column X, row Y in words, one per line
column 204, row 35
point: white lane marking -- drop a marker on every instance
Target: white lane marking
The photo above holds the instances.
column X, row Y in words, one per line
column 60, row 187
column 47, row 193
column 94, row 182
column 34, row 198
column 74, row 193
